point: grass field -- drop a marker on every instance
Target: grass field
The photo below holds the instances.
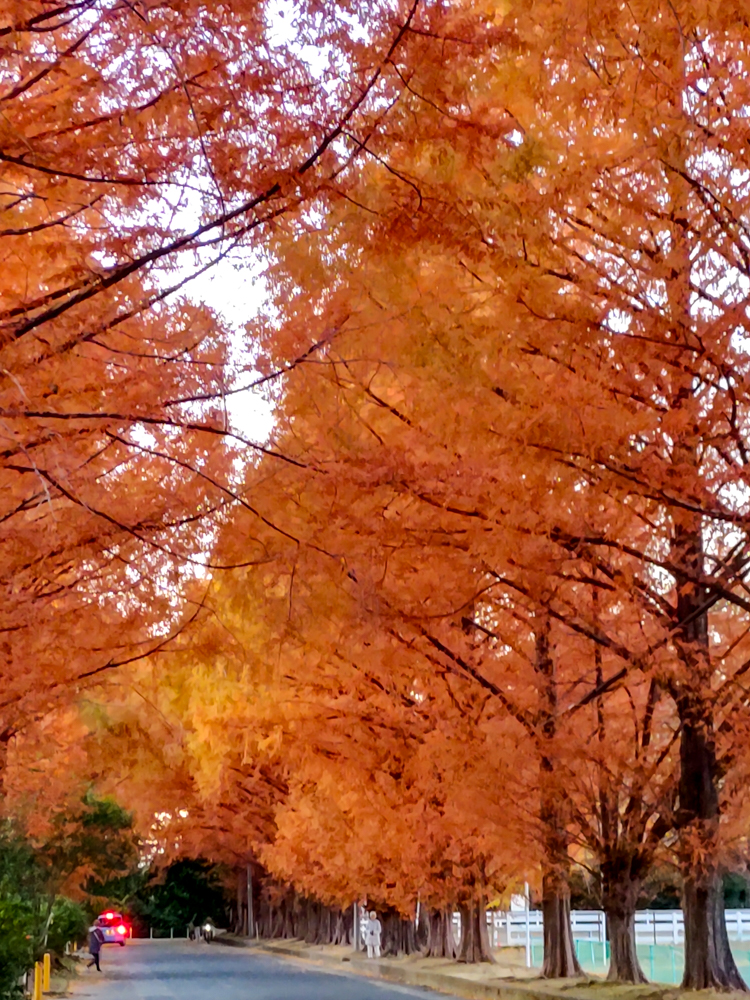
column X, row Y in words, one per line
column 662, row 963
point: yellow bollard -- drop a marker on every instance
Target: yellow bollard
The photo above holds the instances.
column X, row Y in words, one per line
column 47, row 968
column 37, row 994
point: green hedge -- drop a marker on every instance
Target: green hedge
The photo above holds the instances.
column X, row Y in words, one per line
column 16, row 941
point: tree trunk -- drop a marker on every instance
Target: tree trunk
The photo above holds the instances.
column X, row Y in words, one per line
column 621, row 868
column 311, row 920
column 287, row 927
column 239, row 925
column 559, row 949
column 324, row 929
column 5, row 737
column 475, row 941
column 271, row 921
column 252, row 901
column 624, row 966
column 708, row 959
column 621, row 885
column 399, row 936
column 298, row 916
column 709, row 963
column 441, row 941
column 342, row 926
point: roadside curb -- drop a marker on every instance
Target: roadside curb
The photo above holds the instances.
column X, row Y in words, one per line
column 404, row 976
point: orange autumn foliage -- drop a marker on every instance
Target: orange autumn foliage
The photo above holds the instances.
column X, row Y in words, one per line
column 536, row 388
column 124, row 174
column 505, row 498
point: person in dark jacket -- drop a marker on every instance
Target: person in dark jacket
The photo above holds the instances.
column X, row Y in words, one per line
column 96, row 940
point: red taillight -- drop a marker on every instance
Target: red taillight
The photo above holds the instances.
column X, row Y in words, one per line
column 108, row 916
column 122, row 929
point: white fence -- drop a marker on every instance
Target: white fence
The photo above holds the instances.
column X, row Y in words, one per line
column 509, row 928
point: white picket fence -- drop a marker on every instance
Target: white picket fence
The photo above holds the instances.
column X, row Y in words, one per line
column 517, row 928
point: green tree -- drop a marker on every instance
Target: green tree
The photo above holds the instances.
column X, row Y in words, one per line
column 188, row 890
column 69, row 922
column 20, row 882
column 85, row 850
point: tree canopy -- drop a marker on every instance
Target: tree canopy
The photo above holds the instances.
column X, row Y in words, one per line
column 476, row 613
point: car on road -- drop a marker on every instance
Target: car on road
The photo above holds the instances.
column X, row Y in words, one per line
column 114, row 927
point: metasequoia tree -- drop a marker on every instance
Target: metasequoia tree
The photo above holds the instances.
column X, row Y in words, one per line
column 603, row 338
column 404, row 609
column 165, row 739
column 179, row 753
column 172, row 737
column 46, row 770
column 141, row 144
column 118, row 126
column 622, row 796
column 652, row 259
column 380, row 800
column 397, row 837
column 284, row 677
column 409, row 529
column 399, row 807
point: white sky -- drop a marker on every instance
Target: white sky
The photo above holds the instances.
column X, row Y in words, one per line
column 236, row 294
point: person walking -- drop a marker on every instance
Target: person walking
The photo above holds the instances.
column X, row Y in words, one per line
column 96, row 940
column 373, row 933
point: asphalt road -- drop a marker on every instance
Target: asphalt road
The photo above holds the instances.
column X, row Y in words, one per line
column 177, row 970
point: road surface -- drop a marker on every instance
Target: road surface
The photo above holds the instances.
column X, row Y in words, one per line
column 178, row 970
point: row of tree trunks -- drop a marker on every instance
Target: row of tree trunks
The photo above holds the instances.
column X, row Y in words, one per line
column 438, row 929
column 707, row 946
column 343, row 926
column 276, row 916
column 284, row 915
column 399, row 936
column 291, row 916
column 326, row 925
